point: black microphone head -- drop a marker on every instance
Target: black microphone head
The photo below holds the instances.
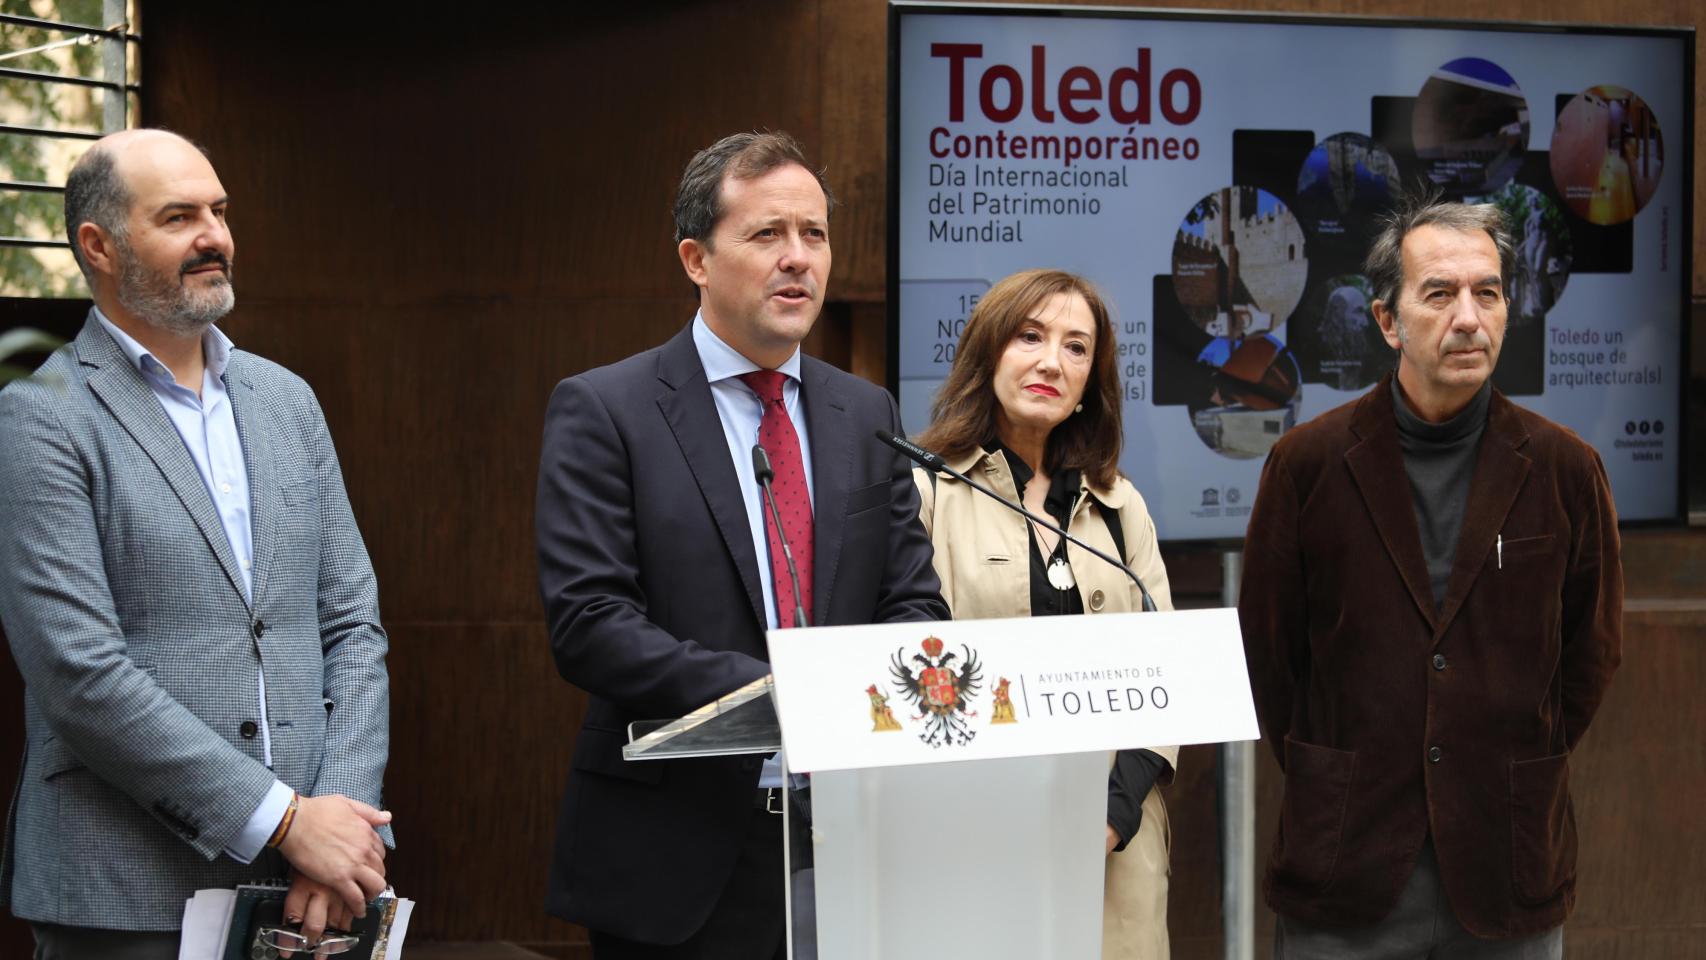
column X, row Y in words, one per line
column 912, row 451
column 761, row 464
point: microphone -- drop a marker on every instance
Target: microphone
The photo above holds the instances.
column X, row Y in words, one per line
column 761, row 467
column 934, row 463
column 930, row 461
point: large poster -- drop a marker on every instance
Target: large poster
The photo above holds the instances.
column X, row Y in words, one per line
column 1219, row 179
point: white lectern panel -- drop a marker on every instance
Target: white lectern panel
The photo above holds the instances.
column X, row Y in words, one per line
column 990, row 859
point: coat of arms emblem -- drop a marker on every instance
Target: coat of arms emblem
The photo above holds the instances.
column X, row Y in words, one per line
column 882, row 718
column 941, row 690
column 1003, row 712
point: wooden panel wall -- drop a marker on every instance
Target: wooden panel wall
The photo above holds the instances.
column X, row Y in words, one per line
column 437, row 219
column 435, row 223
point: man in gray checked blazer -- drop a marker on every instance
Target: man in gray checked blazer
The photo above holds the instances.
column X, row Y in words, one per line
column 185, row 592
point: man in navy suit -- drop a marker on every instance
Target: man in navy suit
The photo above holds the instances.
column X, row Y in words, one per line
column 660, row 571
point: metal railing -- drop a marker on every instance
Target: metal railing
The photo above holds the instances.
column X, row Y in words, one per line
column 116, row 41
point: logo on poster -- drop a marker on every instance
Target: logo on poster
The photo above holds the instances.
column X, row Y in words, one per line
column 1127, row 96
column 1078, row 95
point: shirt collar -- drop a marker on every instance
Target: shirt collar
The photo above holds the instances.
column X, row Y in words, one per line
column 722, row 361
column 1064, row 487
column 215, row 349
column 1114, row 498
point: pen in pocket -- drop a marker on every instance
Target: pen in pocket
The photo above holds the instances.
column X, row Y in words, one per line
column 1499, row 546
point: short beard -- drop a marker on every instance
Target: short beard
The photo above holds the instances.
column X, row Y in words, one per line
column 157, row 301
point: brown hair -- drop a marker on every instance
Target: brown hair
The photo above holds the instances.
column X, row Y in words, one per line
column 1423, row 208
column 963, row 414
column 744, row 156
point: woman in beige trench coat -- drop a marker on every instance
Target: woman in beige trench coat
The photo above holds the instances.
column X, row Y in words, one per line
column 1032, row 409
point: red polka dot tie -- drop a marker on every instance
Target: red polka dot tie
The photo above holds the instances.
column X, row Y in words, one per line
column 793, row 502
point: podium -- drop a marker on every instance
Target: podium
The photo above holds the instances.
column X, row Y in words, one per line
column 957, row 792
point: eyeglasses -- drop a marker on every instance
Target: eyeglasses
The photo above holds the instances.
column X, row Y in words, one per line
column 271, row 941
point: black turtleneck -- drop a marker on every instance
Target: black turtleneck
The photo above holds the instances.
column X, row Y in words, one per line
column 1440, row 461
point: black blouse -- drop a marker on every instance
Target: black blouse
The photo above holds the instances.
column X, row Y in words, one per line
column 1135, row 771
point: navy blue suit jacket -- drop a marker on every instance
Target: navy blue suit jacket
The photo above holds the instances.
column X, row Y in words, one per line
column 653, row 602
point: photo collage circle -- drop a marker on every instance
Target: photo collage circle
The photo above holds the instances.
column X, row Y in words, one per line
column 1268, row 271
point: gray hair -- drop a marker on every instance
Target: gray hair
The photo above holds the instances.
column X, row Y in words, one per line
column 1385, row 264
column 95, row 193
column 744, row 156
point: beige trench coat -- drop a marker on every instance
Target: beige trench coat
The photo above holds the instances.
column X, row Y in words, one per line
column 982, row 558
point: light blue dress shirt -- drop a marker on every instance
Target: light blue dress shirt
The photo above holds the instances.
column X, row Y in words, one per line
column 209, row 432
column 741, row 412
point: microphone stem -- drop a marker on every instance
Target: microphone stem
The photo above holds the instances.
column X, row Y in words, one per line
column 934, row 463
column 787, row 553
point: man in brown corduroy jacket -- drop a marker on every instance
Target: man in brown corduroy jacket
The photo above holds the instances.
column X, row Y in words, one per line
column 1431, row 609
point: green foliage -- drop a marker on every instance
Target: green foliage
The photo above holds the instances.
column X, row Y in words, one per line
column 51, row 106
column 1514, row 201
column 18, row 342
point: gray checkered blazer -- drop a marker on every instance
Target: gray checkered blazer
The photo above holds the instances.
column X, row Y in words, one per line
column 123, row 604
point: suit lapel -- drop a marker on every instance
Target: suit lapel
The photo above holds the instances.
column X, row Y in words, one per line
column 128, row 397
column 687, row 407
column 1377, row 465
column 258, row 461
column 1500, row 470
column 832, row 470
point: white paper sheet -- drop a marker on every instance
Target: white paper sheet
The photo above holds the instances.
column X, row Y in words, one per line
column 207, row 922
column 399, row 930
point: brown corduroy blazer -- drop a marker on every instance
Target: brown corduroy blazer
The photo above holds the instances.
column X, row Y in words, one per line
column 1392, row 722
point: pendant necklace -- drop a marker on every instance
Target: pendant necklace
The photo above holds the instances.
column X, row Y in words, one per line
column 1060, row 574
column 1059, row 571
